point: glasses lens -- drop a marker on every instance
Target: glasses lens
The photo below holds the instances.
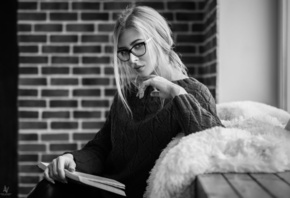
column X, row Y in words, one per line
column 139, row 49
column 123, row 55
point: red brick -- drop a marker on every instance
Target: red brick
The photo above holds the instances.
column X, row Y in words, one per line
column 87, row 49
column 32, row 147
column 201, row 5
column 32, row 168
column 197, row 27
column 95, row 81
column 181, row 5
column 86, row 92
column 54, row 93
column 55, row 137
column 64, row 38
column 94, row 16
column 86, row 70
column 24, row 28
column 153, row 4
column 28, row 137
column 95, row 60
column 48, row 157
column 184, row 38
column 28, row 70
column 64, row 81
column 94, row 38
column 28, row 157
column 63, row 103
column 116, row 5
column 28, row 49
column 28, row 114
column 192, row 59
column 92, row 125
column 83, row 136
column 85, row 5
column 32, row 38
column 186, row 49
column 54, row 6
column 189, row 16
column 31, row 103
column 27, row 5
column 63, row 147
column 87, row 114
column 64, row 60
column 110, row 91
column 54, row 70
column 32, row 125
column 55, row 114
column 55, row 49
column 27, row 92
column 31, row 16
column 28, row 179
column 48, row 27
column 80, row 28
column 109, row 71
column 32, row 81
column 169, row 16
column 211, row 56
column 180, row 27
column 64, row 125
column 108, row 49
column 95, row 103
column 33, row 59
column 63, row 16
column 106, row 27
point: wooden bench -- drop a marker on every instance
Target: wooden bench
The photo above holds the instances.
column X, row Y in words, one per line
column 234, row 185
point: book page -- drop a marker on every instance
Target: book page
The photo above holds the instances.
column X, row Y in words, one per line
column 92, row 180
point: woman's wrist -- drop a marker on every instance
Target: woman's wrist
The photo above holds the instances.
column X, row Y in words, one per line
column 177, row 90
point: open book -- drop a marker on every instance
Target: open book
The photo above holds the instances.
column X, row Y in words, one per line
column 92, row 180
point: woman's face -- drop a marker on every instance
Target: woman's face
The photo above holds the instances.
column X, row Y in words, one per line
column 143, row 65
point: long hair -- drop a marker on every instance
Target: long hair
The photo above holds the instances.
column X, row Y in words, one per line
column 150, row 24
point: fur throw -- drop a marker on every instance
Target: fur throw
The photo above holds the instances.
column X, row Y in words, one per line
column 254, row 140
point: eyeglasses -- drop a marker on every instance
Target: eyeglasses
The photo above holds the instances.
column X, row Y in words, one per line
column 139, row 49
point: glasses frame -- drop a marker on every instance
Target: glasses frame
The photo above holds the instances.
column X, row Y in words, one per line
column 131, row 52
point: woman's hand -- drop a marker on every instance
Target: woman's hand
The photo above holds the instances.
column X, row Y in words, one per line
column 163, row 88
column 55, row 170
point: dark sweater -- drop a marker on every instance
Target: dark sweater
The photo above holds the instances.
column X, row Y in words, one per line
column 126, row 148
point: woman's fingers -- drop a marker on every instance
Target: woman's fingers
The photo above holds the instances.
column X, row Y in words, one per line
column 47, row 177
column 55, row 170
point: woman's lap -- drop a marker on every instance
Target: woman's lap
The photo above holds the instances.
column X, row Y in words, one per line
column 45, row 189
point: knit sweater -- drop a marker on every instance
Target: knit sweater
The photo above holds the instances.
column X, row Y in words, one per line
column 126, row 148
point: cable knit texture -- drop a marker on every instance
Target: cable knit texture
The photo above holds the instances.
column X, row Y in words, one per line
column 126, row 148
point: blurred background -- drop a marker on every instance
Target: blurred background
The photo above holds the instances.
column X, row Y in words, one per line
column 62, row 84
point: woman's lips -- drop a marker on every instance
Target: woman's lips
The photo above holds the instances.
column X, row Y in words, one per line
column 138, row 68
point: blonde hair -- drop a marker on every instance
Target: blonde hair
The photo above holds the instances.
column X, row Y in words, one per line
column 150, row 24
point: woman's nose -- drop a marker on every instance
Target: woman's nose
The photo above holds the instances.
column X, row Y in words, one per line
column 133, row 58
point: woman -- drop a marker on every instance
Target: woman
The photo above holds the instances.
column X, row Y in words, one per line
column 156, row 100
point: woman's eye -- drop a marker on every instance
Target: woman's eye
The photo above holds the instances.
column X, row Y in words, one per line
column 138, row 46
column 123, row 53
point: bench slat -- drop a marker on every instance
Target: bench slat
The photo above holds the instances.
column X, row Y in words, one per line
column 273, row 184
column 246, row 186
column 214, row 186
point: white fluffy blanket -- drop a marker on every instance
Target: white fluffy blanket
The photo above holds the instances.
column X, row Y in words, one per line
column 254, row 140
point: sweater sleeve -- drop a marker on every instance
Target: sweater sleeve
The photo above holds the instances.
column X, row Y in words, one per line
column 196, row 110
column 91, row 157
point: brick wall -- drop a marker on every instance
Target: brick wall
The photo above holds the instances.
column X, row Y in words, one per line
column 66, row 81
